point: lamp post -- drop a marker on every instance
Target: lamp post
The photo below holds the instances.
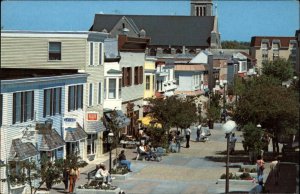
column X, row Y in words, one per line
column 110, row 141
column 228, row 128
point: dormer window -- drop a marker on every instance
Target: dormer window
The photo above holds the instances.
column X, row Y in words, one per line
column 54, row 51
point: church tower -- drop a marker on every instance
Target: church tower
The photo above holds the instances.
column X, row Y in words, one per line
column 201, row 8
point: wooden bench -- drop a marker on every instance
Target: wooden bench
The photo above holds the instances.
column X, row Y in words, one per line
column 91, row 176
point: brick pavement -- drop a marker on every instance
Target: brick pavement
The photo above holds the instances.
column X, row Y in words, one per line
column 185, row 172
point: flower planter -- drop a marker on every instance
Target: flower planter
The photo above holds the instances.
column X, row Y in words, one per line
column 238, row 182
column 120, row 176
column 97, row 191
column 17, row 189
column 253, row 175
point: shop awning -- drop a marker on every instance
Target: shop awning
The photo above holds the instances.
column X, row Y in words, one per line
column 50, row 139
column 149, row 120
column 120, row 119
column 94, row 127
column 75, row 134
column 21, row 151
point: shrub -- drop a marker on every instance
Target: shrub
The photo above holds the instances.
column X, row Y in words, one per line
column 245, row 175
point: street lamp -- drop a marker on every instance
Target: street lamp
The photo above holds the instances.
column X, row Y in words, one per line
column 228, row 128
column 110, row 141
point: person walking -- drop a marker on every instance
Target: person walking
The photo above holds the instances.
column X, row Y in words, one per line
column 66, row 178
column 188, row 136
column 177, row 141
column 198, row 132
column 73, row 177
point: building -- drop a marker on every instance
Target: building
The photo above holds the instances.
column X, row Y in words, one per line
column 132, row 53
column 245, row 64
column 149, row 78
column 73, row 51
column 201, row 7
column 269, row 48
column 190, row 79
column 35, row 104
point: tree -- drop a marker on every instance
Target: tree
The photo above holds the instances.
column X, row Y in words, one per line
column 235, row 45
column 266, row 102
column 281, row 69
column 173, row 112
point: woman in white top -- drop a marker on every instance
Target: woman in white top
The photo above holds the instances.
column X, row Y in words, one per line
column 102, row 172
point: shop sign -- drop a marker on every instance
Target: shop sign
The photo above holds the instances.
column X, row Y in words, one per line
column 69, row 122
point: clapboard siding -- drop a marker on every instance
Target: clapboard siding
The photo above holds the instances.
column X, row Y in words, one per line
column 129, row 59
column 29, row 52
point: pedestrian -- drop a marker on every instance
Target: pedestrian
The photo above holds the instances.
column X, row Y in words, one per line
column 66, row 178
column 260, row 166
column 232, row 141
column 177, row 141
column 73, row 177
column 188, row 136
column 198, row 132
column 122, row 159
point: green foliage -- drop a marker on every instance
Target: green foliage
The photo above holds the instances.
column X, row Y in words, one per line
column 280, row 69
column 245, row 175
column 213, row 112
column 235, row 45
column 158, row 137
column 173, row 112
column 119, row 170
column 252, row 137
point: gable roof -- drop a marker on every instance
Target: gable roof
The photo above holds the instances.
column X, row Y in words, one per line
column 164, row 30
column 284, row 40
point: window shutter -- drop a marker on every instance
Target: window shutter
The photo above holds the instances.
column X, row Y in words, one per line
column 141, row 75
column 69, row 105
column 14, row 107
column 130, row 76
column 32, row 105
column 44, row 115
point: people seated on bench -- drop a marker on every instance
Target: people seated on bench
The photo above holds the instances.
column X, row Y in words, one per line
column 103, row 173
column 173, row 144
column 122, row 159
column 144, row 150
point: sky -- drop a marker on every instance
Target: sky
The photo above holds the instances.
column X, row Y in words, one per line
column 238, row 20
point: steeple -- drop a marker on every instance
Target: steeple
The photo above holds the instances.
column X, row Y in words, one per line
column 201, row 8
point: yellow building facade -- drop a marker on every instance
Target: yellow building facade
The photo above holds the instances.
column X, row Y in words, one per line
column 149, row 78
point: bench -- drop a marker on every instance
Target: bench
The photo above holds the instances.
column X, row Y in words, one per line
column 91, row 176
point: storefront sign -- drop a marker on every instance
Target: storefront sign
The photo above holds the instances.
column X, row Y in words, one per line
column 69, row 122
column 92, row 116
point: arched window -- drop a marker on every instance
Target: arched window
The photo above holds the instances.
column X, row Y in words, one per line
column 167, row 51
column 192, row 51
column 152, row 52
column 178, row 51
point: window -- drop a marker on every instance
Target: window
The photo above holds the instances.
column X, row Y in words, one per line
column 91, row 53
column 167, row 51
column 99, row 93
column 152, row 52
column 1, row 107
column 91, row 88
column 192, row 51
column 243, row 66
column 147, row 82
column 112, row 88
column 23, row 106
column 75, row 98
column 105, row 89
column 54, row 51
column 153, row 82
column 123, row 76
column 141, row 75
column 178, row 51
column 264, row 48
column 120, row 88
column 136, row 75
column 128, row 81
column 275, row 51
column 52, row 101
column 100, row 53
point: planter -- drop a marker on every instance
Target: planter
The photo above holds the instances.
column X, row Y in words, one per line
column 97, row 191
column 17, row 189
column 253, row 175
column 120, row 176
column 238, row 182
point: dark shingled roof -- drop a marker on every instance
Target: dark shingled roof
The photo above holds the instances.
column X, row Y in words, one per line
column 50, row 139
column 164, row 30
column 20, row 151
column 75, row 134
